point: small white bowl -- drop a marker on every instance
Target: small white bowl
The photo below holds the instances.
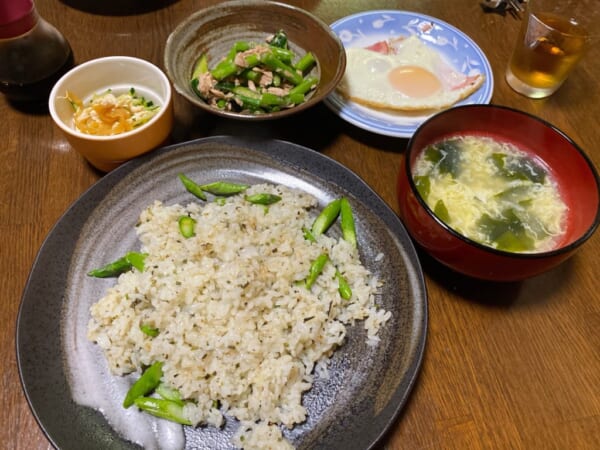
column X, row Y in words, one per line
column 119, row 73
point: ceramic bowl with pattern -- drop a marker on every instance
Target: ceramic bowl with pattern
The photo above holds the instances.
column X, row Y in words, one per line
column 213, row 32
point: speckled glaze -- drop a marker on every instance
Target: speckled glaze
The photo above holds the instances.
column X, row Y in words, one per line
column 368, row 385
column 215, row 29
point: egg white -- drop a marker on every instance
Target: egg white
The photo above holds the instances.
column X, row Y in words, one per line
column 366, row 80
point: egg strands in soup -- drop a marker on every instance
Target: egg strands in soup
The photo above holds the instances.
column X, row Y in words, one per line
column 492, row 193
column 411, row 76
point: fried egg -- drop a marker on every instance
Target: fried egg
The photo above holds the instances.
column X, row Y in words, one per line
column 411, row 76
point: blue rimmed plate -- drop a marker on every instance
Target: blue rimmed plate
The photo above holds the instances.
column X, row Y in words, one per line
column 460, row 51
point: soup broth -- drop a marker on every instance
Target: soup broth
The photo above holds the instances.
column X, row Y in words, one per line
column 492, row 193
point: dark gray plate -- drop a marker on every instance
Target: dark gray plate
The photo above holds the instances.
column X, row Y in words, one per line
column 368, row 385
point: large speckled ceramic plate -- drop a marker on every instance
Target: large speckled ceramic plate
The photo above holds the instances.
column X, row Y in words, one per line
column 459, row 50
column 368, row 386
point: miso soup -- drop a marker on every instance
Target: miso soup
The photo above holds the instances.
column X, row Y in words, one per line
column 491, row 192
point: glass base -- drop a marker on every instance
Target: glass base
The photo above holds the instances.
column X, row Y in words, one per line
column 527, row 90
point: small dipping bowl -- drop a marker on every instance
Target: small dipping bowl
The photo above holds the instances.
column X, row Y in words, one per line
column 575, row 175
column 120, row 74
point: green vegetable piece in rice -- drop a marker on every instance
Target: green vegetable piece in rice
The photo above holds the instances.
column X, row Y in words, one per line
column 136, row 260
column 187, row 226
column 347, row 222
column 145, row 384
column 263, row 198
column 165, row 409
column 169, row 393
column 224, row 188
column 315, row 269
column 149, row 331
column 112, row 269
column 192, row 187
column 308, row 235
column 343, row 287
column 326, row 218
column 119, row 266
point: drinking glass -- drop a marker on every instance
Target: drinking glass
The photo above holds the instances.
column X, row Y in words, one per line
column 554, row 36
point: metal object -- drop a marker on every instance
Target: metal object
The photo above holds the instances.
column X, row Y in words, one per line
column 513, row 7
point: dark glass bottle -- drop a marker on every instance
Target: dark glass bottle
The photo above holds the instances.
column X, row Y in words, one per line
column 33, row 53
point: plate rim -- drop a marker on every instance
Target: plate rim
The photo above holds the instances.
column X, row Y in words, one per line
column 337, row 104
column 91, row 198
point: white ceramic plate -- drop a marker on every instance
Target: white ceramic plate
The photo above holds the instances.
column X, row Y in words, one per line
column 460, row 51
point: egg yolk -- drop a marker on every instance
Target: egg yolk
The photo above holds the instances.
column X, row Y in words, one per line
column 414, row 81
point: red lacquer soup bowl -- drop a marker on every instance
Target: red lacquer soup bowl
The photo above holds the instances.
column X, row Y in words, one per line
column 575, row 175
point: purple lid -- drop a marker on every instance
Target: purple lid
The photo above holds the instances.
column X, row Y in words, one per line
column 16, row 17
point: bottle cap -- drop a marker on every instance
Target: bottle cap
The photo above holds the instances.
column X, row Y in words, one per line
column 16, row 17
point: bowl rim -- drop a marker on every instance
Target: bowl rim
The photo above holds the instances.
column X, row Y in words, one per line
column 527, row 256
column 106, row 60
column 197, row 101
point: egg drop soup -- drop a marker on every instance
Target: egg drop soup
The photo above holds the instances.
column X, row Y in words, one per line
column 491, row 192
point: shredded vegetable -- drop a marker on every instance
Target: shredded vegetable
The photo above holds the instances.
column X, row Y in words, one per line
column 108, row 113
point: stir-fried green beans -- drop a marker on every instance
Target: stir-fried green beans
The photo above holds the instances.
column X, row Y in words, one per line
column 283, row 69
column 306, row 62
column 200, row 68
column 303, row 87
column 256, row 77
column 119, row 266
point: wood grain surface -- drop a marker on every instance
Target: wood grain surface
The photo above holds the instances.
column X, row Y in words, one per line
column 507, row 366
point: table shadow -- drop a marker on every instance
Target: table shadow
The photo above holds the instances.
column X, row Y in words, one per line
column 316, row 128
column 118, row 7
column 502, row 295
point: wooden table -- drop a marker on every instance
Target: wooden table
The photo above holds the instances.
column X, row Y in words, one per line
column 507, row 365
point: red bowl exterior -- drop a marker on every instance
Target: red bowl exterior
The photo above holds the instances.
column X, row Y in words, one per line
column 577, row 179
